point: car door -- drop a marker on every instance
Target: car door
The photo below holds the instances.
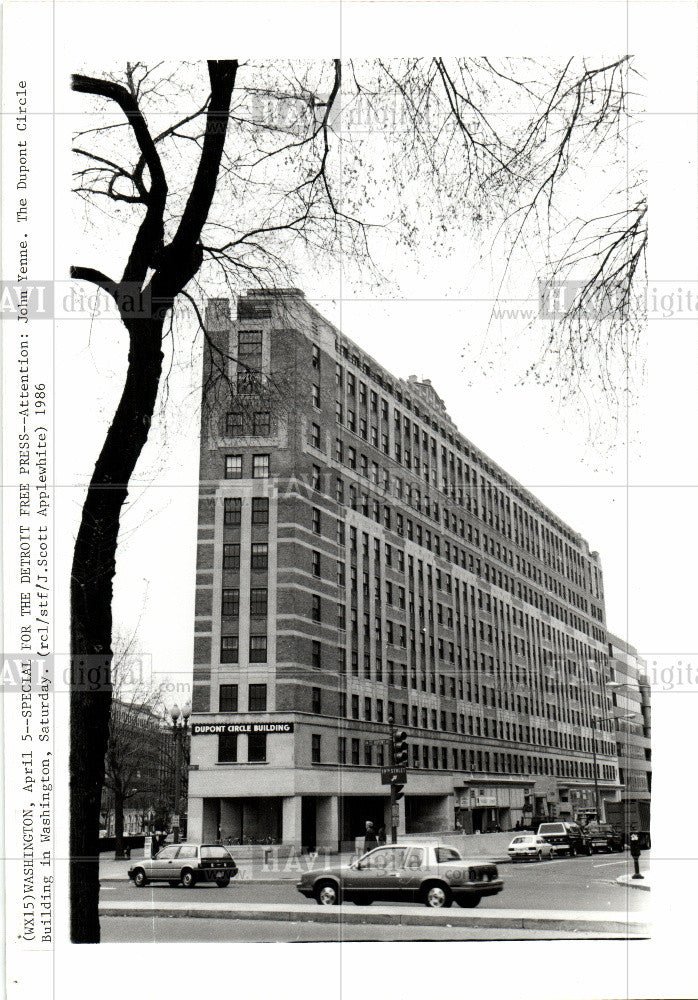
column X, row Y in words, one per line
column 164, row 863
column 377, row 873
column 415, row 865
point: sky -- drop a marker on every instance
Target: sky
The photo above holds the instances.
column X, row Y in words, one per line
column 431, row 312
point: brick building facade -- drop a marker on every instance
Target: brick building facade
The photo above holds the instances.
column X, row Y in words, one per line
column 359, row 558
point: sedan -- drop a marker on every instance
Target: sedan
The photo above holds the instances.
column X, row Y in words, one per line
column 530, row 847
column 186, row 864
column 429, row 873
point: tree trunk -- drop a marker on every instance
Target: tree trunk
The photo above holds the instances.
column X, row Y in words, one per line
column 118, row 825
column 94, row 562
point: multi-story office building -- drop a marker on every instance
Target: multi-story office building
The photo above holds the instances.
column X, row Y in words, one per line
column 359, row 559
column 630, row 695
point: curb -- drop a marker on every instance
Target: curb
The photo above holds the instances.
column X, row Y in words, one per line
column 331, row 915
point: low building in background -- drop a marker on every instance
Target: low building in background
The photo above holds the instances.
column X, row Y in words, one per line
column 359, row 559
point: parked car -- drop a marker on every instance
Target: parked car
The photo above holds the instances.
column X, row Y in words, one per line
column 565, row 838
column 186, row 864
column 430, row 873
column 604, row 837
column 529, row 847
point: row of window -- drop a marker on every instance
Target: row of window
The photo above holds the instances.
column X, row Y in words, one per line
column 228, row 748
column 232, row 511
column 259, row 555
column 230, row 602
column 234, row 467
column 230, row 649
column 228, row 698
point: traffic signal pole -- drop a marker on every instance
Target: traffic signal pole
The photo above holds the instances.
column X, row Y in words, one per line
column 393, row 798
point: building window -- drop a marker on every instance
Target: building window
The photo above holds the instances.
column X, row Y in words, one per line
column 257, row 698
column 227, row 748
column 316, row 356
column 316, row 701
column 230, row 604
column 260, row 510
column 315, row 656
column 316, row 608
column 317, row 478
column 230, row 650
column 316, row 521
column 367, row 709
column 261, row 423
column 234, row 425
column 342, row 749
column 228, row 698
column 315, row 562
column 231, row 555
column 233, row 466
column 260, row 466
column 258, row 649
column 258, row 601
column 260, row 555
column 355, row 752
column 315, row 392
column 315, row 435
column 232, row 511
column 315, row 748
column 257, row 748
column 355, row 706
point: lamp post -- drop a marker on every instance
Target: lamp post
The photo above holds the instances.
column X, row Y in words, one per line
column 597, row 800
column 180, row 725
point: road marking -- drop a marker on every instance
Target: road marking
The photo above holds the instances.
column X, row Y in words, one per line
column 607, row 864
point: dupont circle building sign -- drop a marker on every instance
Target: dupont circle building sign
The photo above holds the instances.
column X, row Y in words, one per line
column 213, row 728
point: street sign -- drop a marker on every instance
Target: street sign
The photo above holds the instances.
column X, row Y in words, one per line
column 393, row 775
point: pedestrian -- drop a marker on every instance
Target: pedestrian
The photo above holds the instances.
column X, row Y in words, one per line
column 369, row 836
column 381, row 835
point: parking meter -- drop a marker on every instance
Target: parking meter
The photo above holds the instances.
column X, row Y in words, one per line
column 635, row 850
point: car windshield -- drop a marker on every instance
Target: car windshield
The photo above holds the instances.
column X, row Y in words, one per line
column 445, row 854
column 169, row 852
column 551, row 828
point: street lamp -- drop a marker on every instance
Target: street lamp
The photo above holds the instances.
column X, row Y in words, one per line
column 180, row 725
column 597, row 800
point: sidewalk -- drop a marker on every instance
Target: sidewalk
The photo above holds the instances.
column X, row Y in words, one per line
column 558, row 920
column 636, row 883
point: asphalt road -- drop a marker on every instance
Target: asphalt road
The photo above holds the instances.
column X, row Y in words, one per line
column 574, row 884
column 128, row 929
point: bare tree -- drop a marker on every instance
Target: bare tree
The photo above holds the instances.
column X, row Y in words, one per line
column 138, row 744
column 241, row 184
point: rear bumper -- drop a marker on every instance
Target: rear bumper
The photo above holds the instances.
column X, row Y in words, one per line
column 480, row 889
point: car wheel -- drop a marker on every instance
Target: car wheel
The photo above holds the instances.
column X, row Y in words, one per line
column 540, row 855
column 327, row 894
column 173, row 883
column 468, row 902
column 437, row 896
column 572, row 851
column 139, row 878
column 222, row 881
column 188, row 879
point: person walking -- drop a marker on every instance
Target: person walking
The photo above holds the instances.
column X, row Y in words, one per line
column 381, row 835
column 370, row 835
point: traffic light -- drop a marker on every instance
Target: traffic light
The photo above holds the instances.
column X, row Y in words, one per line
column 400, row 758
column 399, row 748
